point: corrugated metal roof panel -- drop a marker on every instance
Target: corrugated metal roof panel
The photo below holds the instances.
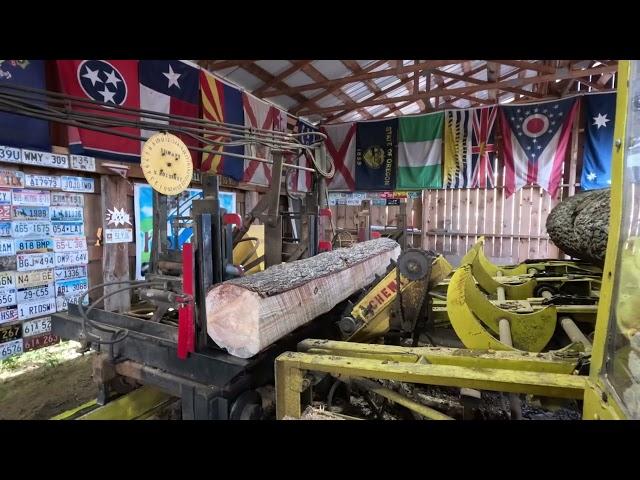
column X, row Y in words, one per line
column 283, row 101
column 329, row 101
column 298, row 79
column 245, row 79
column 331, row 69
column 274, row 67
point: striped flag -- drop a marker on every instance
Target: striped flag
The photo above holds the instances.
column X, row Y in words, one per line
column 458, row 140
column 535, row 139
column 420, row 152
column 341, row 148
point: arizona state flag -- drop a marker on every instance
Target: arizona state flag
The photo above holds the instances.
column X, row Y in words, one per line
column 109, row 81
column 376, row 152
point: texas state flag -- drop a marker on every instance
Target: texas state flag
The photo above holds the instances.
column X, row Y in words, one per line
column 171, row 87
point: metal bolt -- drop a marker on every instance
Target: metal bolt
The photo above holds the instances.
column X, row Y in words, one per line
column 618, row 143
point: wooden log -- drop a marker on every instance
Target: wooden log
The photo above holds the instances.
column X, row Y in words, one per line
column 247, row 314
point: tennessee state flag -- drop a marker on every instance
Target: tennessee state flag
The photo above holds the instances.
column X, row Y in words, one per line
column 109, row 81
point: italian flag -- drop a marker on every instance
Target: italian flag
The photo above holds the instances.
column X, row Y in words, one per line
column 420, row 152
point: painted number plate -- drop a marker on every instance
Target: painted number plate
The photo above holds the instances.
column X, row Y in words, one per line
column 67, row 228
column 63, row 244
column 25, row 245
column 40, row 341
column 72, row 288
column 8, row 314
column 69, row 273
column 77, row 184
column 67, row 214
column 10, row 154
column 37, row 326
column 30, row 229
column 70, row 199
column 7, row 280
column 78, row 257
column 10, row 332
column 30, row 213
column 11, row 178
column 62, row 303
column 5, row 212
column 36, row 309
column 31, row 198
column 35, row 293
column 7, row 247
column 45, row 159
column 9, row 349
column 80, row 162
column 7, row 298
column 34, row 278
column 34, row 261
column 41, row 181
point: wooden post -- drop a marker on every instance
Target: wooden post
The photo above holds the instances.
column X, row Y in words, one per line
column 573, row 164
column 115, row 256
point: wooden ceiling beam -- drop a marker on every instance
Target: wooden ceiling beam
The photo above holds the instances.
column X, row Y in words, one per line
column 296, row 65
column 222, row 64
column 470, row 79
column 536, row 67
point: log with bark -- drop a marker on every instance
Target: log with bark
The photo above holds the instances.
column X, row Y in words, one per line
column 579, row 225
column 247, row 314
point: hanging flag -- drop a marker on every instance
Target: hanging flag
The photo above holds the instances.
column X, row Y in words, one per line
column 341, row 148
column 17, row 130
column 598, row 146
column 376, row 149
column 262, row 115
column 171, row 87
column 305, row 179
column 109, row 81
column 221, row 103
column 458, row 139
column 420, row 152
column 535, row 138
column 483, row 148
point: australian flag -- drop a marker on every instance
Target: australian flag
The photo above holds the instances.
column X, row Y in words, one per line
column 18, row 130
column 600, row 112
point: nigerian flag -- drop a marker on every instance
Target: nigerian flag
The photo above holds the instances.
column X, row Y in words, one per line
column 420, row 152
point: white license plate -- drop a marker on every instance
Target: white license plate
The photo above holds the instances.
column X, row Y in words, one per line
column 34, row 294
column 8, row 298
column 7, row 280
column 80, row 162
column 66, row 214
column 10, row 154
column 7, row 247
column 79, row 257
column 69, row 273
column 8, row 314
column 41, row 181
column 70, row 199
column 5, row 229
column 62, row 303
column 34, row 261
column 67, row 228
column 25, row 245
column 63, row 244
column 11, row 348
column 118, row 235
column 45, row 159
column 72, row 288
column 11, row 178
column 78, row 184
column 21, row 228
column 37, row 326
column 5, row 212
column 36, row 309
column 31, row 198
column 30, row 213
column 5, row 196
column 34, row 278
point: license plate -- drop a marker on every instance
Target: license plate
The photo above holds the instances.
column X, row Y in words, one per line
column 71, row 199
column 10, row 154
column 31, row 198
column 5, row 229
column 80, row 162
column 67, row 228
column 79, row 257
column 36, row 309
column 67, row 214
column 77, row 184
column 11, row 348
column 21, row 228
column 72, row 288
column 7, row 247
column 62, row 303
column 5, row 212
column 69, row 273
column 5, row 196
column 34, row 278
column 7, row 298
column 35, row 293
column 8, row 314
column 70, row 243
column 45, row 159
column 37, row 326
column 7, row 280
column 11, row 178
column 10, row 332
column 118, row 235
column 26, row 245
column 30, row 213
column 40, row 341
column 34, row 261
column 41, row 181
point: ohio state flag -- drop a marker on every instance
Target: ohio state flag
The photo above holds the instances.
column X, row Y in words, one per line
column 109, row 81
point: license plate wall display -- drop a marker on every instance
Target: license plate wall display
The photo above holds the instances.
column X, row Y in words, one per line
column 43, row 247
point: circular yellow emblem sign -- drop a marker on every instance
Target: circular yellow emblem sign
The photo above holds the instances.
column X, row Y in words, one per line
column 374, row 157
column 166, row 164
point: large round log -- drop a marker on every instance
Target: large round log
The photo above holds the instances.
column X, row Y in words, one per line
column 579, row 225
column 245, row 315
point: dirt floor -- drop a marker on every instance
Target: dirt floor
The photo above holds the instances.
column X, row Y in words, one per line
column 43, row 383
